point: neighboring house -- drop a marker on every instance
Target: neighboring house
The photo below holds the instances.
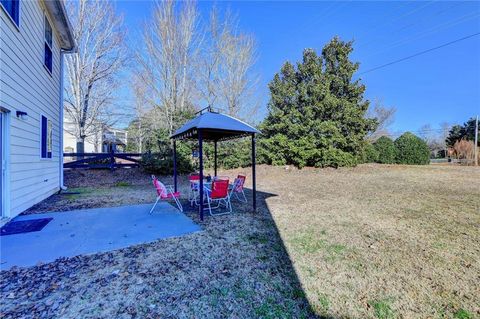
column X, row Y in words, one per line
column 105, row 140
column 115, row 140
column 34, row 35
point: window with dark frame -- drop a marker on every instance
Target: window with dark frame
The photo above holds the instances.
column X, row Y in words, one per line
column 46, row 147
column 48, row 45
column 12, row 7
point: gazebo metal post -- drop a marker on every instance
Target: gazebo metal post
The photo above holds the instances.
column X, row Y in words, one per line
column 200, row 157
column 254, row 179
column 175, row 165
column 215, row 161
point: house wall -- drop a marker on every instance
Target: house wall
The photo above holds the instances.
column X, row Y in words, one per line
column 26, row 85
column 70, row 142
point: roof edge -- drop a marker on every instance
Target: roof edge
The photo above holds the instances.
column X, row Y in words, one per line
column 257, row 130
column 58, row 14
column 194, row 130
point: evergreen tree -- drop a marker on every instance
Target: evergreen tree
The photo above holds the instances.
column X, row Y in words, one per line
column 369, row 153
column 455, row 134
column 412, row 150
column 458, row 132
column 386, row 150
column 316, row 111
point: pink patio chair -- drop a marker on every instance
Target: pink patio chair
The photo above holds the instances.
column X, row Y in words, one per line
column 165, row 192
column 219, row 194
column 237, row 188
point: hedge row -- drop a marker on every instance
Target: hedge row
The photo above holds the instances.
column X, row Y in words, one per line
column 407, row 149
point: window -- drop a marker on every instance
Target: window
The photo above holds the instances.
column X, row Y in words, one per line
column 12, row 7
column 46, row 138
column 48, row 45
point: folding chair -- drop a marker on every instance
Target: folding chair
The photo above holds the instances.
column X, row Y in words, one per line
column 237, row 188
column 219, row 194
column 165, row 192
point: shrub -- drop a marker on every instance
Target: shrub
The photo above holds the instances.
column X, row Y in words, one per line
column 464, row 149
column 369, row 154
column 333, row 157
column 385, row 149
column 412, row 150
column 103, row 161
column 162, row 162
column 231, row 154
column 271, row 151
column 236, row 153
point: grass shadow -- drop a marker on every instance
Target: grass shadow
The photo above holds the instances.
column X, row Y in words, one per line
column 238, row 267
column 279, row 292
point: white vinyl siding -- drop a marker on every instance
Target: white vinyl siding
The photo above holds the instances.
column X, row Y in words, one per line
column 27, row 86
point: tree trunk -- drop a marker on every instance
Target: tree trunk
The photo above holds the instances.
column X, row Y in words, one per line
column 80, row 147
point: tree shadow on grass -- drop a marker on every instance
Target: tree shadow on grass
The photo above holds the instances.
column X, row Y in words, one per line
column 265, row 283
column 238, row 267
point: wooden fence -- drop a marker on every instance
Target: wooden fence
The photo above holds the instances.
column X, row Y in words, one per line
column 101, row 160
column 452, row 161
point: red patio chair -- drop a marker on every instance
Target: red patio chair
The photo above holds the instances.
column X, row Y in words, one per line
column 165, row 192
column 237, row 188
column 219, row 194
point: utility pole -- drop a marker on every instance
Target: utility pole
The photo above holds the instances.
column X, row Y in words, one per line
column 445, row 134
column 476, row 142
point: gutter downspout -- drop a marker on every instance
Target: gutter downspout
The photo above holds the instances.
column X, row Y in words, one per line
column 60, row 120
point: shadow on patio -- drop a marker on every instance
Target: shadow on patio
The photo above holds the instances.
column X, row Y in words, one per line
column 237, row 267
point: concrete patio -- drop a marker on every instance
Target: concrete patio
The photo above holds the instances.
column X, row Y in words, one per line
column 91, row 231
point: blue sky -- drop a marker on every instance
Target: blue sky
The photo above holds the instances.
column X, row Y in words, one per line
column 442, row 85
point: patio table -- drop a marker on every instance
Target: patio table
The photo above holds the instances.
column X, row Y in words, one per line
column 194, row 186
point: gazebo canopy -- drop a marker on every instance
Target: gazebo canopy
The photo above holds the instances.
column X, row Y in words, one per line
column 215, row 127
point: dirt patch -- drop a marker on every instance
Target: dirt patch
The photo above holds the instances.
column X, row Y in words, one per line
column 74, row 178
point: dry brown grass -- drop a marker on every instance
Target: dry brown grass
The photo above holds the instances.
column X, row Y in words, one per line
column 382, row 241
column 375, row 241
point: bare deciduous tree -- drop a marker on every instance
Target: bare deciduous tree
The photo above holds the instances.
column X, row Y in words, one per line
column 188, row 64
column 167, row 65
column 207, row 79
column 435, row 138
column 92, row 70
column 426, row 133
column 445, row 128
column 142, row 125
column 96, row 135
column 237, row 81
column 226, row 79
column 385, row 117
column 464, row 150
